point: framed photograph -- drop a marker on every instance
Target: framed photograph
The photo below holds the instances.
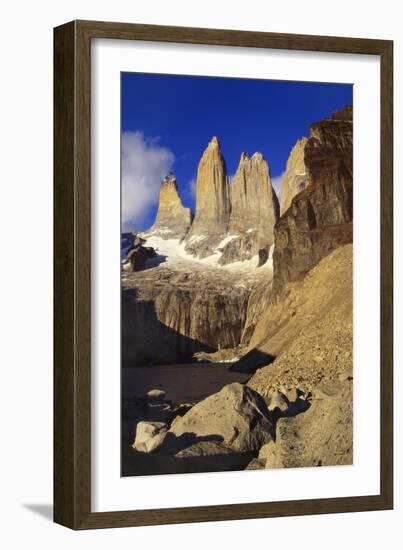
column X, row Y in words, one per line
column 222, row 275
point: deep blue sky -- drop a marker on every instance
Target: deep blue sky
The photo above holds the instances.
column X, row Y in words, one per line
column 182, row 113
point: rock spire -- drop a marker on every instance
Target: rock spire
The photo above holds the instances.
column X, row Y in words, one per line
column 295, row 178
column 212, row 200
column 254, row 204
column 173, row 219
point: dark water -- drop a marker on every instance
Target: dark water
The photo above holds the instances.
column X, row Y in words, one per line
column 184, row 383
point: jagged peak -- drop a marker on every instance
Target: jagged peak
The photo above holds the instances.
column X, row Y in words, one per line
column 258, row 156
column 169, row 178
column 215, row 142
column 169, row 181
column 346, row 113
column 301, row 141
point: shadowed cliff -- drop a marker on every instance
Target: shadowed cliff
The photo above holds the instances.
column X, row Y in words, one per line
column 147, row 341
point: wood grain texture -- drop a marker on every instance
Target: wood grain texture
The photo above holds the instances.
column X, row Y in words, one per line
column 64, row 367
column 72, row 274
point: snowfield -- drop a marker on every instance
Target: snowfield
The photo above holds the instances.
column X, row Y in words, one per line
column 173, row 251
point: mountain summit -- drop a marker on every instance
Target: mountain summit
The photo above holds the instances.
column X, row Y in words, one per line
column 212, row 200
column 173, row 219
column 254, row 204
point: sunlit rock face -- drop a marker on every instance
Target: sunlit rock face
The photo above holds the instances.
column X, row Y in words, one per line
column 254, row 204
column 254, row 210
column 319, row 218
column 170, row 314
column 173, row 220
column 212, row 211
column 295, row 178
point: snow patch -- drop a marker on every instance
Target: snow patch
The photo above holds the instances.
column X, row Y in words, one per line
column 173, row 251
column 196, row 238
column 246, row 265
column 171, row 248
column 225, row 241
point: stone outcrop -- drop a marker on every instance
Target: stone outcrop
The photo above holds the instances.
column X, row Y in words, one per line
column 243, row 247
column 134, row 255
column 212, row 211
column 173, row 220
column 295, row 178
column 237, row 417
column 236, row 220
column 203, row 448
column 254, row 204
column 149, row 436
column 254, row 211
column 321, row 436
column 306, row 340
column 319, row 218
column 169, row 315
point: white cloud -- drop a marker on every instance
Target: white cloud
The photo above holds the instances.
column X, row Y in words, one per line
column 276, row 183
column 144, row 164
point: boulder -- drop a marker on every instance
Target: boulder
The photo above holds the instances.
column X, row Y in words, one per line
column 149, row 436
column 203, row 448
column 236, row 416
column 256, row 464
column 156, row 395
column 277, row 401
column 321, row 436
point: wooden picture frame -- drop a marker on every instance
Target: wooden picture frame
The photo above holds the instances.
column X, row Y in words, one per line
column 72, row 271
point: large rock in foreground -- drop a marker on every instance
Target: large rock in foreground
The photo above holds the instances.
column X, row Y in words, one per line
column 321, row 436
column 149, row 436
column 236, row 416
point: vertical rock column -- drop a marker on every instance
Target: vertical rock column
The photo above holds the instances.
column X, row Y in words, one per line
column 254, row 212
column 296, row 177
column 253, row 200
column 210, row 223
column 173, row 219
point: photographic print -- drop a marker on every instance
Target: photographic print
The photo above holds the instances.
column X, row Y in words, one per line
column 236, row 274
